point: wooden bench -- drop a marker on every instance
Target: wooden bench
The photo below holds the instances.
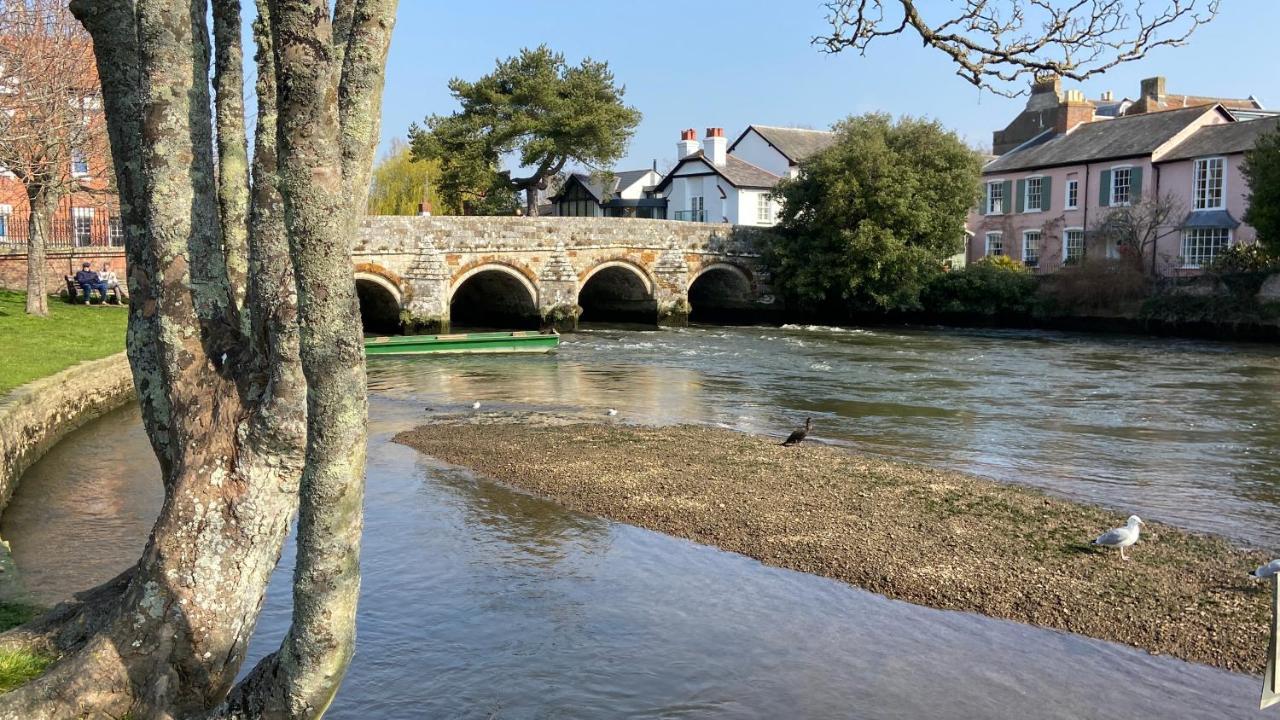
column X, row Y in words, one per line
column 75, row 293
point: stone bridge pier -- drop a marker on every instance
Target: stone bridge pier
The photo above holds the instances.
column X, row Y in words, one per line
column 436, row 274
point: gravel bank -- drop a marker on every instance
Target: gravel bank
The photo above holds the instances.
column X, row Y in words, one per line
column 927, row 536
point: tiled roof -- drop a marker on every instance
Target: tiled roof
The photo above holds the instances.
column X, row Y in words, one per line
column 621, row 180
column 1177, row 102
column 1222, row 139
column 795, row 143
column 739, row 173
column 1128, row 136
column 1212, row 219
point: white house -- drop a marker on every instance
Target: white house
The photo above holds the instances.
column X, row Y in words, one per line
column 716, row 182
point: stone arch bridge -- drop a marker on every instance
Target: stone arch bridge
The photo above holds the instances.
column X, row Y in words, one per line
column 428, row 274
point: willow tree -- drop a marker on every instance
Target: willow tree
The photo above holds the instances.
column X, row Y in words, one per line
column 255, row 408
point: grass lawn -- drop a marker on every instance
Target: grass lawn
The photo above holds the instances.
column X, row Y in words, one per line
column 33, row 347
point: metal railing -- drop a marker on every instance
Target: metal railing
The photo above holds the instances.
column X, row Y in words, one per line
column 71, row 228
column 691, row 215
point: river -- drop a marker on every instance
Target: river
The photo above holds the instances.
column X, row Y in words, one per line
column 483, row 602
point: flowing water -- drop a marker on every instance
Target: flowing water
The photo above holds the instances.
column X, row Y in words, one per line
column 482, row 602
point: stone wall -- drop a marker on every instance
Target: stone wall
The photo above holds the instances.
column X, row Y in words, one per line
column 34, row 417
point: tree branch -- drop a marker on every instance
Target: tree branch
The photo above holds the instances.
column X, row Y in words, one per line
column 233, row 160
column 995, row 44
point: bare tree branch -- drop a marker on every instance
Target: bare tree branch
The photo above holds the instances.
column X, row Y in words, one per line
column 999, row 44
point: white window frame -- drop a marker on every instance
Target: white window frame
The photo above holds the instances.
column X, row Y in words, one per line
column 1066, row 243
column 115, row 231
column 1128, row 190
column 1003, row 200
column 1039, row 247
column 1026, row 194
column 987, row 240
column 78, row 154
column 1196, row 165
column 1187, row 264
column 1073, row 188
column 6, row 219
column 698, row 208
column 78, row 214
column 764, row 209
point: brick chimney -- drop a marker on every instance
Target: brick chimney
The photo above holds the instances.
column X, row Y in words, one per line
column 1153, row 88
column 1074, row 111
column 688, row 144
column 1046, row 91
column 715, row 147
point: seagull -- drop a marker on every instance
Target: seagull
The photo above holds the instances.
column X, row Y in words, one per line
column 798, row 436
column 475, row 405
column 1122, row 537
column 1271, row 569
column 611, row 412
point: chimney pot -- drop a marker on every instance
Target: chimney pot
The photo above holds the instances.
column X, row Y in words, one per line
column 715, row 147
column 688, row 144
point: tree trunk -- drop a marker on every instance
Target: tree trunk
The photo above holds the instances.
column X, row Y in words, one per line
column 233, row 153
column 42, row 211
column 241, row 414
column 531, row 201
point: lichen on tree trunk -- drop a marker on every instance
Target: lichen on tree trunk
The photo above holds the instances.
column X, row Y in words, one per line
column 252, row 390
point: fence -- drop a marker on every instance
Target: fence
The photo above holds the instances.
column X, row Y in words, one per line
column 72, row 227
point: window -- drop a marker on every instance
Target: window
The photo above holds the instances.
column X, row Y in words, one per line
column 1073, row 194
column 82, row 226
column 698, row 208
column 1201, row 245
column 1209, row 179
column 1035, row 195
column 995, row 198
column 116, row 231
column 1121, row 181
column 1073, row 246
column 5, row 212
column 1031, row 248
column 79, row 163
column 995, row 243
column 764, row 209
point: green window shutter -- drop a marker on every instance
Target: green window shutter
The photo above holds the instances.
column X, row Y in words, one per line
column 1008, row 197
column 986, row 198
column 1104, row 189
column 1022, row 197
column 1046, row 193
column 1135, row 185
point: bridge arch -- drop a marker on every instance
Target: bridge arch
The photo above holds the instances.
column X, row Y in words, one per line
column 381, row 299
column 494, row 295
column 617, row 290
column 722, row 293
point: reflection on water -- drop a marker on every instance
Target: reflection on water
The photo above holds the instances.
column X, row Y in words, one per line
column 479, row 602
column 83, row 512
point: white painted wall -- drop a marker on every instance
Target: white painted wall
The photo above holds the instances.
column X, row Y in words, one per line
column 755, row 150
column 635, row 191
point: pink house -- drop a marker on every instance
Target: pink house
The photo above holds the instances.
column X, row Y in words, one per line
column 1041, row 197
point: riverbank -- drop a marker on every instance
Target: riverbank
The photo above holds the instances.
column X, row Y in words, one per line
column 927, row 536
column 37, row 347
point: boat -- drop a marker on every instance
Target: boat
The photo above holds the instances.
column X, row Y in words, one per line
column 488, row 342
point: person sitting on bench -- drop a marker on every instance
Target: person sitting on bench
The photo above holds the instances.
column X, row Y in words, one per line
column 107, row 277
column 88, row 280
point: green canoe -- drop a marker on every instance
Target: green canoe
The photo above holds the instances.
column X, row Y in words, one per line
column 491, row 342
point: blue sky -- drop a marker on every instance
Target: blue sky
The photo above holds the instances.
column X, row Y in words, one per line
column 729, row 63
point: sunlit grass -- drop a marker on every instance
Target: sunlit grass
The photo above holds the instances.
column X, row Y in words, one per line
column 20, row 666
column 35, row 347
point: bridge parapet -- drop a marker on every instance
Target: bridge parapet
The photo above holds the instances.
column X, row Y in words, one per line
column 552, row 258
